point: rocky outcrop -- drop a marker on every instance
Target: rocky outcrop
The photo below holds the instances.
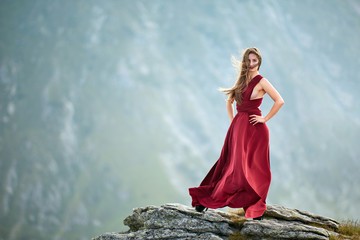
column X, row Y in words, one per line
column 176, row 221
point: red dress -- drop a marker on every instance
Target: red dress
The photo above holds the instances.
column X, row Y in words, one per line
column 241, row 176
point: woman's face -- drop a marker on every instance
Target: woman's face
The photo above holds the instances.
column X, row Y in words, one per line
column 253, row 62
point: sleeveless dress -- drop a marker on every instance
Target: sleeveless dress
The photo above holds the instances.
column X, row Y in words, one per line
column 241, row 176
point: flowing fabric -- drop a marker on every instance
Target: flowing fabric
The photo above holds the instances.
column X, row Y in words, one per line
column 241, row 176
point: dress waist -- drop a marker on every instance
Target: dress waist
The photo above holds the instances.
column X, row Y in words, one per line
column 250, row 106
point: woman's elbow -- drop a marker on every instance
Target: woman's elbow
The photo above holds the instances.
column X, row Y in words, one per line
column 280, row 101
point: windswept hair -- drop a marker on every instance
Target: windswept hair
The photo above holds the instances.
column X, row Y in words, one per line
column 243, row 80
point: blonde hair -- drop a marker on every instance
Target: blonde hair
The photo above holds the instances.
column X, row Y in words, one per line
column 243, row 79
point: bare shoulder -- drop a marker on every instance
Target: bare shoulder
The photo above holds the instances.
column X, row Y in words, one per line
column 265, row 83
column 269, row 89
column 264, row 80
column 230, row 100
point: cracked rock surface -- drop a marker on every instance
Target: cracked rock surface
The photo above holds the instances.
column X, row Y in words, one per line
column 177, row 221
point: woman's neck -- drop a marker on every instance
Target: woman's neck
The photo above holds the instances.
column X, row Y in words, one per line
column 253, row 74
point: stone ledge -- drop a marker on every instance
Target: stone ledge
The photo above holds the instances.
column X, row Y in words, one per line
column 177, row 221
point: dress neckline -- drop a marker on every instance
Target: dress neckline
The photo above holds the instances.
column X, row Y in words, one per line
column 254, row 77
column 255, row 80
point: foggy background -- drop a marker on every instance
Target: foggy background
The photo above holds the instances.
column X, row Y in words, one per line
column 110, row 105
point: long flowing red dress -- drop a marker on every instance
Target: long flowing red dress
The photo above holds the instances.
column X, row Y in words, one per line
column 241, row 176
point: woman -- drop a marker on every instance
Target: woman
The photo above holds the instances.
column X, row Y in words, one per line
column 241, row 176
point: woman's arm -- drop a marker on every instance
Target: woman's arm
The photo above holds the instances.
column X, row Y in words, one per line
column 230, row 108
column 278, row 102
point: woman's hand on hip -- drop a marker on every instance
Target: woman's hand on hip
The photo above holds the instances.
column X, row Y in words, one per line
column 254, row 119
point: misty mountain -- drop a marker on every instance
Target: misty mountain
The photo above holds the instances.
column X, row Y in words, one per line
column 107, row 106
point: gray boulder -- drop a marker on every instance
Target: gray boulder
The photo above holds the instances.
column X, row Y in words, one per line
column 177, row 221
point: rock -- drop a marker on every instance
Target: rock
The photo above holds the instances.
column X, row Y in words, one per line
column 278, row 229
column 176, row 221
column 302, row 216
